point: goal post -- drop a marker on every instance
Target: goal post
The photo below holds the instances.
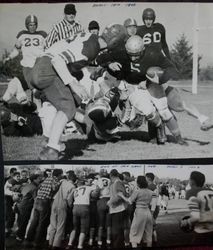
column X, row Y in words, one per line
column 195, row 50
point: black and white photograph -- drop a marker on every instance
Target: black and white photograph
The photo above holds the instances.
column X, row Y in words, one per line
column 108, row 206
column 106, row 81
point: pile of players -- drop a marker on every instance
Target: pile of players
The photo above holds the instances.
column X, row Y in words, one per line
column 131, row 63
column 98, row 210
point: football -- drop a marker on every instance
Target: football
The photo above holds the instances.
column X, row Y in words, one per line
column 152, row 70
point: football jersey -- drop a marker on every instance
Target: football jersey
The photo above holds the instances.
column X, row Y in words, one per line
column 82, row 195
column 103, row 184
column 135, row 72
column 129, row 188
column 31, row 45
column 200, row 203
column 84, row 46
column 154, row 37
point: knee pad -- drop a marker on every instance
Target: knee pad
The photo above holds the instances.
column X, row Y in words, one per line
column 12, row 89
column 140, row 99
column 165, row 114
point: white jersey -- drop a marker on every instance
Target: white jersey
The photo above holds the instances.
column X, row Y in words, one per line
column 129, row 187
column 82, row 195
column 103, row 184
column 200, row 202
column 80, row 47
column 31, row 45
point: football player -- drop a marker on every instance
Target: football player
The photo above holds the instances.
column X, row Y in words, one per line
column 92, row 209
column 154, row 38
column 30, row 43
column 200, row 203
column 131, row 26
column 153, row 34
column 103, row 210
column 81, row 212
column 56, row 75
column 131, row 65
column 101, row 112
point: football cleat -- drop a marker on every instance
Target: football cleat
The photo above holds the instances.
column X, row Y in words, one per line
column 181, row 141
column 48, row 153
column 206, row 125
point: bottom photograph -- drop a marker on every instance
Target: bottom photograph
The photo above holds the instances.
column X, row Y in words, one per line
column 108, row 206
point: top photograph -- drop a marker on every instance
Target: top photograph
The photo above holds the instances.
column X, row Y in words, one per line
column 106, row 81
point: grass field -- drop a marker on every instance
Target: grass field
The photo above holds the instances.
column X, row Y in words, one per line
column 133, row 145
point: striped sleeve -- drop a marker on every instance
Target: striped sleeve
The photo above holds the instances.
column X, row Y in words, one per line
column 62, row 30
column 51, row 38
column 193, row 204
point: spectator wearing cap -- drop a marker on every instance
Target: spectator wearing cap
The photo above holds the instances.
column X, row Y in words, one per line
column 131, row 26
column 94, row 27
column 25, row 206
column 66, row 28
column 117, row 209
column 42, row 209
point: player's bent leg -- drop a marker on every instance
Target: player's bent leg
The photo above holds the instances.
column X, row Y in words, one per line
column 176, row 104
column 155, row 121
column 141, row 100
column 60, row 96
column 170, row 121
column 15, row 89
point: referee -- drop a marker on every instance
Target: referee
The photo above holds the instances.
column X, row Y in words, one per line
column 65, row 28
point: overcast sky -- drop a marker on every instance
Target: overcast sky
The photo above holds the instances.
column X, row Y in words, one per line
column 176, row 17
column 161, row 171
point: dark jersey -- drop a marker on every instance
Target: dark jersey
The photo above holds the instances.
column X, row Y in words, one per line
column 154, row 37
column 135, row 72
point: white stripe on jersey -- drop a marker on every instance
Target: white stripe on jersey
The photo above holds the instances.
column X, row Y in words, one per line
column 69, row 50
